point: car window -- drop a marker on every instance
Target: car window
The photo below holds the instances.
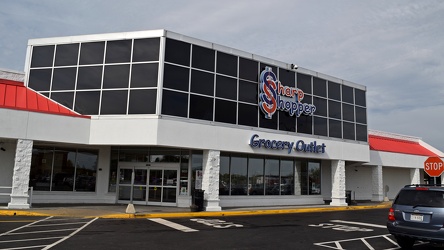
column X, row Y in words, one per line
column 420, row 197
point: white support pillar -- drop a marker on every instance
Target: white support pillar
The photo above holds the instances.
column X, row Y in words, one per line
column 210, row 179
column 338, row 183
column 415, row 176
column 377, row 184
column 20, row 178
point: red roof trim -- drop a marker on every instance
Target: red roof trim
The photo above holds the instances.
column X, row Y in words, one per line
column 14, row 95
column 386, row 144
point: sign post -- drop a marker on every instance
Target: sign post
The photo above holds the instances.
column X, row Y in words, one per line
column 434, row 166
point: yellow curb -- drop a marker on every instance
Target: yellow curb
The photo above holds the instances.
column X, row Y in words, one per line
column 199, row 214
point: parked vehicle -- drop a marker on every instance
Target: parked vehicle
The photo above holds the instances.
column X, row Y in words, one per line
column 417, row 213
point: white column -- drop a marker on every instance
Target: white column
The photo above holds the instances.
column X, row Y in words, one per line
column 20, row 177
column 415, row 176
column 338, row 183
column 377, row 184
column 210, row 179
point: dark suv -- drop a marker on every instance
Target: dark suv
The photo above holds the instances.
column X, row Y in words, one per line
column 417, row 213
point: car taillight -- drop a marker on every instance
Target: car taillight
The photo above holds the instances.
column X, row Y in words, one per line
column 391, row 215
column 421, row 188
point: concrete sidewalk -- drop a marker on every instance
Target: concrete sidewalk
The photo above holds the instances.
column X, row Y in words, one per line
column 118, row 211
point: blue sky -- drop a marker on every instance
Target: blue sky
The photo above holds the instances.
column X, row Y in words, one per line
column 395, row 48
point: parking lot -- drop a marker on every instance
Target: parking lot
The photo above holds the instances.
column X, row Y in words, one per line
column 363, row 229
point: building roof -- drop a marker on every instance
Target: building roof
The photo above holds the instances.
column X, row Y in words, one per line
column 14, row 95
column 395, row 144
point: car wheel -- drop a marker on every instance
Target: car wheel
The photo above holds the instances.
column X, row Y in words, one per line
column 405, row 243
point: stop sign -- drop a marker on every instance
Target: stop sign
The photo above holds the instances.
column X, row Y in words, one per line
column 434, row 166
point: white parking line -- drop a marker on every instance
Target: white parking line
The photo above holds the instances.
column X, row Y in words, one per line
column 69, row 236
column 359, row 223
column 173, row 225
column 27, row 225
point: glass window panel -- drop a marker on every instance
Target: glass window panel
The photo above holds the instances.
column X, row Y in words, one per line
column 304, row 83
column 348, row 130
column 334, row 109
column 224, row 175
column 334, row 91
column 64, row 98
column 118, row 51
column 335, row 129
column 248, row 91
column 125, row 193
column 319, row 87
column 133, row 154
column 139, row 193
column 87, row 103
column 347, row 94
column 360, row 97
column 225, row 111
column 142, row 101
column 248, row 69
column 203, row 58
column 268, row 123
column 320, row 126
column 314, row 178
column 41, row 168
column 154, row 194
column 272, row 179
column 348, row 112
column 170, row 178
column 321, row 106
column 125, row 176
column 247, row 115
column 86, row 169
column 174, row 103
column 263, row 65
column 287, row 122
column 67, row 54
column 155, row 177
column 164, row 155
column 116, row 76
column 89, row 77
column 304, row 124
column 287, row 77
column 146, row 49
column 64, row 79
column 169, row 195
column 202, row 82
column 226, row 87
column 361, row 115
column 144, row 75
column 287, row 177
column 361, row 132
column 255, row 176
column 42, row 56
column 196, row 164
column 239, row 177
column 301, row 182
column 92, row 53
column 175, row 77
column 226, row 64
column 63, row 170
column 114, row 102
column 40, row 79
column 177, row 52
column 201, row 107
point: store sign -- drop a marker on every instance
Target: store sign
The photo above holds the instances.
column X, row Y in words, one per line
column 275, row 96
column 289, row 146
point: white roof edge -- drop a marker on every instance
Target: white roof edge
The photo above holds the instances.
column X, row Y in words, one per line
column 12, row 75
column 393, row 135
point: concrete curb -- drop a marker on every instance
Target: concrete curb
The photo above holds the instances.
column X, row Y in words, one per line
column 67, row 213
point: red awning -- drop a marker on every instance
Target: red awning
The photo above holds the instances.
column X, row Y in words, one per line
column 385, row 144
column 14, row 95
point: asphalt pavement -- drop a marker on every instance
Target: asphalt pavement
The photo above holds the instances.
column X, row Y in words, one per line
column 119, row 211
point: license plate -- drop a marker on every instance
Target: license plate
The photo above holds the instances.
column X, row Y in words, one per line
column 416, row 217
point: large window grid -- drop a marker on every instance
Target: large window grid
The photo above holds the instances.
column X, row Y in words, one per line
column 81, row 76
column 259, row 176
column 234, row 98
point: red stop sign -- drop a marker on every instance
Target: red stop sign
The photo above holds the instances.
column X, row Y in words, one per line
column 434, row 166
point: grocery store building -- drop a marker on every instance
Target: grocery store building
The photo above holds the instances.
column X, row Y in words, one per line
column 149, row 117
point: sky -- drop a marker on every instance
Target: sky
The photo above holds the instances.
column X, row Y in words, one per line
column 395, row 48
